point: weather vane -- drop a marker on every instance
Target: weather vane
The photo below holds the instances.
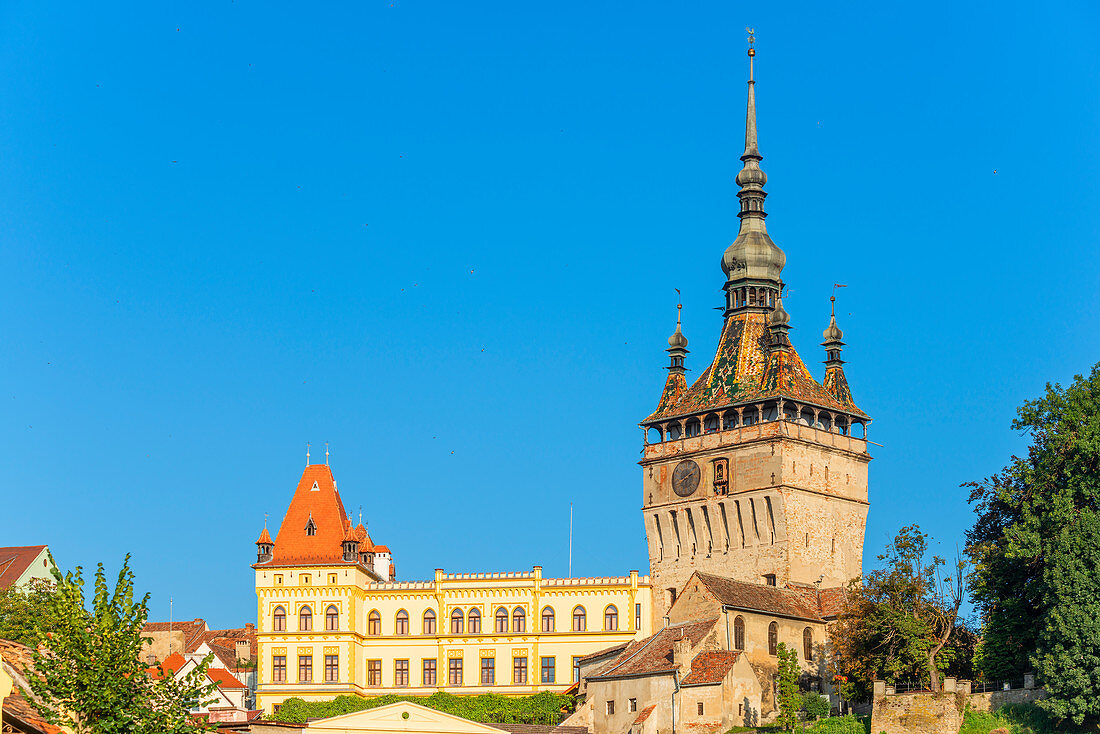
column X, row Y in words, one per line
column 752, row 35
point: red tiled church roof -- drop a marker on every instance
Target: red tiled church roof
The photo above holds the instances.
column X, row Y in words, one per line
column 315, row 499
column 15, row 560
column 654, row 654
column 708, row 668
column 759, row 597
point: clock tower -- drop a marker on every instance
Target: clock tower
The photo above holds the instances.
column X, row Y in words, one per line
column 757, row 471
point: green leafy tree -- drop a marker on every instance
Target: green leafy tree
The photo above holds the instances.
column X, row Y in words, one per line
column 1035, row 546
column 902, row 621
column 89, row 676
column 788, row 695
column 24, row 612
column 815, row 705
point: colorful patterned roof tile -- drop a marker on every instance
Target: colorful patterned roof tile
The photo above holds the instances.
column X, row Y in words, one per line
column 836, row 384
column 744, row 371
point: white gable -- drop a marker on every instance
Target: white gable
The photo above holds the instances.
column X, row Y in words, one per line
column 400, row 717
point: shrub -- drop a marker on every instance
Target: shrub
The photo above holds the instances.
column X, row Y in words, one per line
column 815, row 705
column 1019, row 718
column 839, row 725
column 491, row 708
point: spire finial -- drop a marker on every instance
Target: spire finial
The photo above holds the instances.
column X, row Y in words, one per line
column 326, row 453
column 752, row 51
column 360, row 514
column 307, row 453
column 265, row 521
column 677, row 343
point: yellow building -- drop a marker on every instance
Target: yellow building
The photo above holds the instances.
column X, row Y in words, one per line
column 329, row 623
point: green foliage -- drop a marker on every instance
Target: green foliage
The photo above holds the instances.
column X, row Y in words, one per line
column 90, row 678
column 815, row 705
column 841, row 725
column 1036, row 546
column 897, row 618
column 1016, row 718
column 541, row 708
column 790, row 698
column 23, row 612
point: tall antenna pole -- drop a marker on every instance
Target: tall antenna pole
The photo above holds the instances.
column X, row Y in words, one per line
column 307, row 453
column 570, row 540
column 169, row 625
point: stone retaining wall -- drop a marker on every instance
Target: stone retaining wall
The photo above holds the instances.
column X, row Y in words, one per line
column 940, row 713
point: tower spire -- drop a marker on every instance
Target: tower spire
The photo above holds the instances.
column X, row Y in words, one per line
column 753, row 263
column 677, row 345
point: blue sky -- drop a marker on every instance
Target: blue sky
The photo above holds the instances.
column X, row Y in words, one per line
column 444, row 237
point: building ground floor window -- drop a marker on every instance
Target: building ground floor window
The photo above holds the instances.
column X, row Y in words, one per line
column 332, row 668
column 488, row 671
column 519, row 671
column 454, row 672
column 547, row 668
column 374, row 672
column 429, row 672
column 305, row 668
column 401, row 673
column 278, row 669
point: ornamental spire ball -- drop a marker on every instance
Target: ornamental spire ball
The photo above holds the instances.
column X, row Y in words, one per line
column 833, row 332
column 678, row 340
column 753, row 254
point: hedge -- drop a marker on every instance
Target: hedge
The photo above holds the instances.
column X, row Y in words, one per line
column 489, row 708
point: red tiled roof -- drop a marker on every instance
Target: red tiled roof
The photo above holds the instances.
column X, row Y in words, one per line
column 18, row 663
column 192, row 630
column 265, row 537
column 15, row 560
column 229, row 637
column 224, row 678
column 759, row 597
column 830, row 602
column 324, row 506
column 381, row 549
column 614, row 649
column 644, row 714
column 708, row 668
column 654, row 654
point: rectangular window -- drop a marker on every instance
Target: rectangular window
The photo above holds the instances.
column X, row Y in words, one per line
column 769, row 579
column 305, row 668
column 576, row 669
column 332, row 668
column 610, row 708
column 278, row 579
column 332, row 579
column 429, row 672
column 374, row 672
column 632, row 705
column 637, row 617
column 454, row 672
column 700, row 708
column 488, row 671
column 401, row 673
column 547, row 668
column 303, row 579
column 519, row 671
column 278, row 669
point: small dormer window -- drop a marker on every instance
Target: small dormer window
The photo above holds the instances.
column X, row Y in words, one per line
column 311, row 527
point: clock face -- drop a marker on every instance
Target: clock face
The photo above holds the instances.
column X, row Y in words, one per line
column 685, row 478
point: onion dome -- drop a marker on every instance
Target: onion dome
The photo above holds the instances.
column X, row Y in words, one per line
column 779, row 316
column 678, row 340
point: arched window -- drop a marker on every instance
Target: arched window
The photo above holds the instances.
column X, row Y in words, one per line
column 579, row 624
column 473, row 622
column 401, row 623
column 332, row 618
column 278, row 620
column 458, row 622
column 773, row 638
column 501, row 620
column 519, row 620
column 808, row 644
column 738, row 633
column 374, row 623
column 611, row 618
column 429, row 622
column 305, row 619
column 547, row 619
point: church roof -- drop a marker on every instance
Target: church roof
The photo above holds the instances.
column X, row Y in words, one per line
column 744, row 371
column 654, row 654
column 315, row 499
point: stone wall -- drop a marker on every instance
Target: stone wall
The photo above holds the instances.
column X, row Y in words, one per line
column 940, row 713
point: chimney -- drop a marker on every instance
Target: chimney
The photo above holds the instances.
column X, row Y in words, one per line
column 681, row 654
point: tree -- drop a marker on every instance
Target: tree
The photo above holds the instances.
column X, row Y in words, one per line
column 902, row 620
column 789, row 698
column 23, row 612
column 1035, row 546
column 89, row 676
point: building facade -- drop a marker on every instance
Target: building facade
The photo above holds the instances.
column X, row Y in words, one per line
column 756, row 471
column 328, row 624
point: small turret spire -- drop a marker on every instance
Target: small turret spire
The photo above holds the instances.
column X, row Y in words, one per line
column 677, row 344
column 833, row 336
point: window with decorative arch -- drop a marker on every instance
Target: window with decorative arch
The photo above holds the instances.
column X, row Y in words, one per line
column 401, row 622
column 305, row 619
column 611, row 618
column 428, row 627
column 374, row 623
column 458, row 622
column 332, row 618
column 473, row 622
column 519, row 620
column 739, row 633
column 278, row 619
column 580, row 623
column 773, row 638
column 547, row 619
column 501, row 620
column 808, row 643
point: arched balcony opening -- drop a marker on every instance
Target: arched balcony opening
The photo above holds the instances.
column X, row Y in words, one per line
column 674, row 431
column 771, row 411
column 825, row 421
column 843, row 427
column 710, row 423
column 806, row 418
column 859, row 430
column 653, row 434
column 693, row 427
column 749, row 416
column 729, row 420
